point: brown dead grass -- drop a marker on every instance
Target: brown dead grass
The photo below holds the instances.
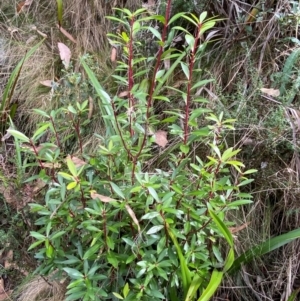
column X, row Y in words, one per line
column 242, row 64
column 84, row 20
column 42, row 289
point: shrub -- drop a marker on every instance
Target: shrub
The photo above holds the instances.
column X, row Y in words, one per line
column 118, row 224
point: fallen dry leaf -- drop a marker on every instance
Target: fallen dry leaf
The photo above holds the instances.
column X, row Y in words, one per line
column 178, row 83
column 237, row 229
column 6, row 295
column 123, row 94
column 130, row 111
column 248, row 141
column 66, row 34
column 3, row 295
column 10, row 195
column 91, row 107
column 113, row 54
column 1, row 287
column 30, row 40
column 211, row 35
column 102, row 198
column 39, row 185
column 51, row 165
column 150, row 4
column 167, row 64
column 65, row 54
column 9, row 264
column 77, row 162
column 9, row 259
column 133, row 216
column 271, row 92
column 47, row 83
column 6, row 136
column 21, row 6
column 161, row 138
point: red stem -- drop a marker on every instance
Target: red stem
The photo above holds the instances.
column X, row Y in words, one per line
column 152, row 84
column 119, row 131
column 189, row 86
column 77, row 130
column 76, row 126
column 37, row 154
column 130, row 76
column 158, row 60
column 83, row 200
column 55, row 132
column 104, row 229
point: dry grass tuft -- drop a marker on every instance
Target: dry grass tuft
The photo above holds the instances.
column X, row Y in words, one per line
column 84, row 20
column 42, row 289
column 243, row 41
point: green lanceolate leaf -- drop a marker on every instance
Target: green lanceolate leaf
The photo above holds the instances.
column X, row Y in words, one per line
column 222, row 227
column 37, row 243
column 168, row 74
column 202, row 17
column 117, row 190
column 71, row 167
column 91, row 251
column 105, row 101
column 66, row 176
column 202, row 83
column 18, row 135
column 41, row 130
column 37, row 235
column 229, row 153
column 126, row 290
column 175, row 17
column 73, row 273
column 118, row 296
column 155, row 229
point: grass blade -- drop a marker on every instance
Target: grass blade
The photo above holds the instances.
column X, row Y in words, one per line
column 294, row 295
column 105, row 103
column 197, row 280
column 229, row 260
column 173, row 293
column 264, row 248
column 213, row 285
column 186, row 274
column 167, row 75
column 59, row 12
column 11, row 84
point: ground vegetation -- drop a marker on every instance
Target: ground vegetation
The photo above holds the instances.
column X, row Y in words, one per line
column 58, row 63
